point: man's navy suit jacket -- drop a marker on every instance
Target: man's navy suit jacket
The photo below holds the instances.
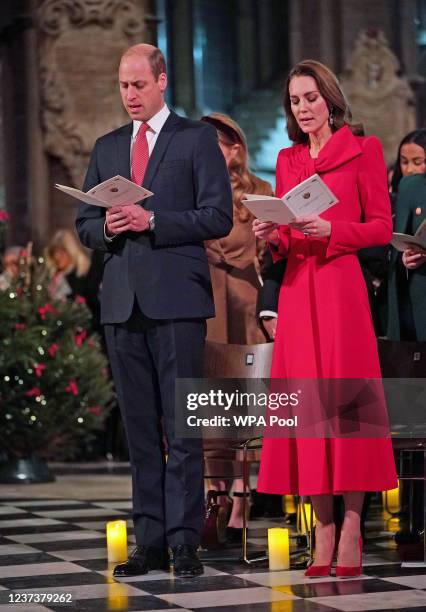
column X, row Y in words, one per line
column 166, row 269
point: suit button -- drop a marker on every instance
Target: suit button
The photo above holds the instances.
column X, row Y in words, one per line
column 300, row 256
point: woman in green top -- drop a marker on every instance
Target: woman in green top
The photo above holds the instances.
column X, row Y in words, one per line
column 407, row 275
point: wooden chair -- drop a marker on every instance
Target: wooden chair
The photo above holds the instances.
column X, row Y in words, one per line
column 407, row 360
column 238, row 361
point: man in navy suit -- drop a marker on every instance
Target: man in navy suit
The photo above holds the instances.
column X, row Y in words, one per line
column 156, row 296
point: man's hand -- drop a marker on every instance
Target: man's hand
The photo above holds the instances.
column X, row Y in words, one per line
column 412, row 258
column 269, row 327
column 312, row 225
column 131, row 217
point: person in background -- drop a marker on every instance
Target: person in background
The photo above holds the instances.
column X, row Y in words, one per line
column 411, row 159
column 407, row 274
column 73, row 272
column 234, row 270
column 407, row 323
column 233, row 260
column 268, row 296
column 406, row 292
column 10, row 258
column 375, row 262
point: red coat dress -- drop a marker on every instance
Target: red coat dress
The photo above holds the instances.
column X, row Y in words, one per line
column 325, row 328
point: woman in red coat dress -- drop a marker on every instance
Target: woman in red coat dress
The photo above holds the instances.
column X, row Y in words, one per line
column 325, row 328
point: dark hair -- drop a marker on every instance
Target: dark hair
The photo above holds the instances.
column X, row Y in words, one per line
column 417, row 137
column 330, row 90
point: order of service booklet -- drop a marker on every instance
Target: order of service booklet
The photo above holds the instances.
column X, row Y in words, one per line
column 310, row 197
column 116, row 191
column 405, row 241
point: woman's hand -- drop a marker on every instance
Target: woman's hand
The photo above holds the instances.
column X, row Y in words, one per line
column 312, row 225
column 266, row 230
column 413, row 258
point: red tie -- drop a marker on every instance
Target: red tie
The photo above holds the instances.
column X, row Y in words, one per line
column 140, row 154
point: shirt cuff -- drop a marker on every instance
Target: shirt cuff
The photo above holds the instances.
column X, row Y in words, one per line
column 108, row 238
column 268, row 313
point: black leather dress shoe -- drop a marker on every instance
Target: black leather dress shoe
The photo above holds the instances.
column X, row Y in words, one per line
column 186, row 561
column 141, row 561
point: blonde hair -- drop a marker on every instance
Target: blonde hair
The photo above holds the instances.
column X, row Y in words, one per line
column 242, row 180
column 65, row 240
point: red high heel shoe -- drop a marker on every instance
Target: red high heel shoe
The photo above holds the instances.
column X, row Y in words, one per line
column 319, row 571
column 351, row 572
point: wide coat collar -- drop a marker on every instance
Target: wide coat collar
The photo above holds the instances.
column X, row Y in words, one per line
column 341, row 148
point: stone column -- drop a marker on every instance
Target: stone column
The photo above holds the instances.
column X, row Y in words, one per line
column 14, row 82
column 38, row 172
column 181, row 54
column 247, row 55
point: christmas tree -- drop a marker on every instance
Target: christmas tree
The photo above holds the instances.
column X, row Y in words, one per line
column 54, row 385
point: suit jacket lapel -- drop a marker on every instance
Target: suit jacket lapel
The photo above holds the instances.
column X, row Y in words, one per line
column 163, row 140
column 123, row 150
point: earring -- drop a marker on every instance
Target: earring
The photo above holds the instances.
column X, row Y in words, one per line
column 331, row 117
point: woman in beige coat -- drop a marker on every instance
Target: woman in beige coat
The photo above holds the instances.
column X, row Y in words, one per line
column 234, row 269
column 233, row 260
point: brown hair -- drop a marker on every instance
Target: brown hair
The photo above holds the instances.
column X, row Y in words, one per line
column 153, row 55
column 157, row 63
column 242, row 180
column 330, row 90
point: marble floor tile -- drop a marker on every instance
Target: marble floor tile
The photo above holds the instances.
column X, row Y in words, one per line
column 75, row 513
column 83, row 553
column 415, row 582
column 48, row 502
column 56, row 536
column 298, row 605
column 225, row 598
column 101, row 525
column 395, row 600
column 38, row 569
column 160, row 575
column 28, row 522
column 87, row 591
column 15, row 549
column 288, row 577
column 120, row 505
column 347, row 587
column 128, row 604
column 7, row 510
column 26, row 559
column 202, row 584
column 24, row 607
column 53, row 580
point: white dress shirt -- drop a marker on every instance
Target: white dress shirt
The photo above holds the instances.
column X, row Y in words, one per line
column 155, row 125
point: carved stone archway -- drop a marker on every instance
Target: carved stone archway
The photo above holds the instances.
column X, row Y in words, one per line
column 380, row 98
column 80, row 44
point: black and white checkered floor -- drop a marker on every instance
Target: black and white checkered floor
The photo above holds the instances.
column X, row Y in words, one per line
column 54, row 547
